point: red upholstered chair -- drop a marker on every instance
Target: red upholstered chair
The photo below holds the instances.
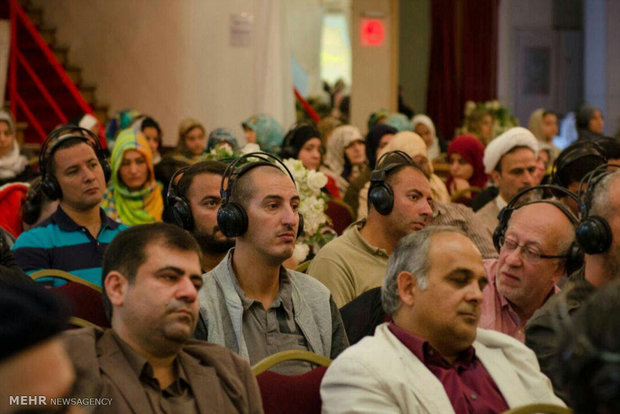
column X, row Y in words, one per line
column 84, row 296
column 340, row 214
column 291, row 393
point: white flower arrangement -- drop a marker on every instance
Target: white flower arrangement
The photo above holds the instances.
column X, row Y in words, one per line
column 312, row 206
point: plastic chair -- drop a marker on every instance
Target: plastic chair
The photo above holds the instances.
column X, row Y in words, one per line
column 85, row 297
column 539, row 409
column 291, row 393
column 340, row 214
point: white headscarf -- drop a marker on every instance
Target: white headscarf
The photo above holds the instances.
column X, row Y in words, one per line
column 339, row 140
column 433, row 150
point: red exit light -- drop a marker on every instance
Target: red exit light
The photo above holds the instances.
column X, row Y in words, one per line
column 372, row 32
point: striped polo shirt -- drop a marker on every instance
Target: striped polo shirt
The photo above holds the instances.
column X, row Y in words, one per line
column 60, row 243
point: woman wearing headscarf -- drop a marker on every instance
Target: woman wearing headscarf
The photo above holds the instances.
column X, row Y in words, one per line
column 377, row 138
column 192, row 142
column 413, row 145
column 265, row 131
column 151, row 131
column 467, row 176
column 345, row 158
column 589, row 122
column 14, row 166
column 303, row 142
column 133, row 196
column 222, row 136
column 424, row 127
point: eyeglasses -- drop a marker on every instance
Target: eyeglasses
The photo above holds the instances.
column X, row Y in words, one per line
column 527, row 252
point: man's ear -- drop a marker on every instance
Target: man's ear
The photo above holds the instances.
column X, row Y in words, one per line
column 407, row 287
column 116, row 288
column 495, row 176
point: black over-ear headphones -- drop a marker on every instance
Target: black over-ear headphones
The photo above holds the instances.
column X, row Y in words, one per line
column 49, row 183
column 180, row 209
column 380, row 193
column 574, row 257
column 579, row 150
column 231, row 216
column 593, row 232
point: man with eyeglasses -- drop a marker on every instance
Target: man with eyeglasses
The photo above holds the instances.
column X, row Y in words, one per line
column 532, row 259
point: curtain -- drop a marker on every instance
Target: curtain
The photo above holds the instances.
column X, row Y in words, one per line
column 272, row 63
column 463, row 63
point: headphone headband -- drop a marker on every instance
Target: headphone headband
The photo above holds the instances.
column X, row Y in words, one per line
column 172, row 192
column 575, row 254
column 229, row 176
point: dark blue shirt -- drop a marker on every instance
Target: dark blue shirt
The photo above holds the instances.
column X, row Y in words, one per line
column 60, row 243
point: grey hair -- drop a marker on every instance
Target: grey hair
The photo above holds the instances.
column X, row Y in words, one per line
column 601, row 204
column 410, row 255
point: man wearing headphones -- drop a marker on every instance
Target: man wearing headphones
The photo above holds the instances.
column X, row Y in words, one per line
column 598, row 234
column 534, row 241
column 400, row 203
column 510, row 160
column 250, row 302
column 194, row 202
column 74, row 237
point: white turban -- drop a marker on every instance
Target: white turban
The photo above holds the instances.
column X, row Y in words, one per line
column 514, row 137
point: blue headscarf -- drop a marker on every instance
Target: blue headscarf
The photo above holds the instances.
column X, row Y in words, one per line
column 269, row 133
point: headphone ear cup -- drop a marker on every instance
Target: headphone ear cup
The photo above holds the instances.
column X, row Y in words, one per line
column 381, row 197
column 107, row 169
column 50, row 187
column 498, row 233
column 182, row 213
column 594, row 235
column 300, row 227
column 232, row 219
column 575, row 258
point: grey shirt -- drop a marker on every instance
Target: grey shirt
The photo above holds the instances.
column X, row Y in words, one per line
column 269, row 331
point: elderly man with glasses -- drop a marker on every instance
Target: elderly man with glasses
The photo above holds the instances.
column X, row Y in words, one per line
column 533, row 254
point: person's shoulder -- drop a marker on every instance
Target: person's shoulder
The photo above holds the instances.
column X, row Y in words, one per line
column 495, row 339
column 214, row 355
column 304, row 281
column 38, row 236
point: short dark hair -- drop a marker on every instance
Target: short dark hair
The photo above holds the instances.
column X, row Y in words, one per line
column 202, row 167
column 64, row 143
column 243, row 188
column 498, row 167
column 392, row 171
column 127, row 251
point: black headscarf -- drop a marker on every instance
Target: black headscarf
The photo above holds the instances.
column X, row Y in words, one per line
column 372, row 141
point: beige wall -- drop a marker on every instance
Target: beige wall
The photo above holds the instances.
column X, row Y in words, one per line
column 375, row 69
column 414, row 54
column 172, row 59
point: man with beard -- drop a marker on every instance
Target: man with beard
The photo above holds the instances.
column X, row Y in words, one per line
column 195, row 200
column 146, row 362
column 510, row 159
column 602, row 264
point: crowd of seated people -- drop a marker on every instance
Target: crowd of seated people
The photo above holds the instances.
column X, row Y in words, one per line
column 457, row 287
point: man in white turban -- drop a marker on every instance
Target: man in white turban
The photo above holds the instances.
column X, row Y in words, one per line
column 510, row 159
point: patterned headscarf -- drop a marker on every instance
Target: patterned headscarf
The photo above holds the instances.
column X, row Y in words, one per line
column 269, row 133
column 340, row 139
column 132, row 207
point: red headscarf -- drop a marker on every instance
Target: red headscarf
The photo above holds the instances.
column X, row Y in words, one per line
column 472, row 150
